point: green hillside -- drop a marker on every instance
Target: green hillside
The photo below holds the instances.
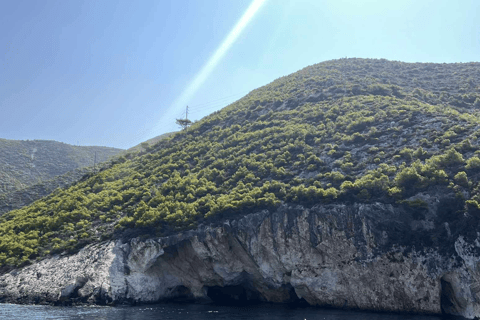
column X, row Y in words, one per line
column 17, row 199
column 24, row 163
column 349, row 130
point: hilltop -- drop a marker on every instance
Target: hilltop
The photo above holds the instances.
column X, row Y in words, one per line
column 338, row 132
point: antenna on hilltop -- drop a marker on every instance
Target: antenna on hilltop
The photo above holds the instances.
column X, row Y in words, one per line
column 95, row 163
column 343, row 79
column 184, row 123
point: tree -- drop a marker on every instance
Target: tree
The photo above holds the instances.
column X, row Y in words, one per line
column 184, row 123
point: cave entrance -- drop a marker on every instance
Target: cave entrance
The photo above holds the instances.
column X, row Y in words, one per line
column 234, row 295
column 450, row 301
column 180, row 294
column 245, row 294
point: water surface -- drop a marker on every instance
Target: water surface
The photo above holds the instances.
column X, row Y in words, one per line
column 173, row 311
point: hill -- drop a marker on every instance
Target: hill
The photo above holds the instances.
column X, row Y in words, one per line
column 342, row 131
column 19, row 198
column 25, row 163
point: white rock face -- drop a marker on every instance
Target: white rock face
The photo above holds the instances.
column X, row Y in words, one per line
column 337, row 255
column 86, row 275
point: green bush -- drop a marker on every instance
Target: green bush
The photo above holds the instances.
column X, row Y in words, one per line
column 451, row 158
column 473, row 163
column 461, row 179
column 409, row 178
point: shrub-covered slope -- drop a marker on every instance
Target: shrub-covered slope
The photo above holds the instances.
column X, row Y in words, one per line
column 350, row 130
column 19, row 198
column 24, row 163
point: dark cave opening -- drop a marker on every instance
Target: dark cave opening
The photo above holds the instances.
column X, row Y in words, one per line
column 180, row 294
column 294, row 300
column 244, row 294
column 448, row 300
column 234, row 295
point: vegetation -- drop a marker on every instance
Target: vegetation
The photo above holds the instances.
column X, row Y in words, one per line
column 19, row 198
column 184, row 123
column 341, row 131
column 26, row 163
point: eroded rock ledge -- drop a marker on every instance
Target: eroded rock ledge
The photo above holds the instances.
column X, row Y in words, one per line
column 361, row 256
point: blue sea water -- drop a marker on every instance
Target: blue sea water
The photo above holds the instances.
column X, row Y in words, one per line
column 173, row 311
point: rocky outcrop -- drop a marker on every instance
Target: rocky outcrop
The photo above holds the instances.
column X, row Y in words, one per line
column 359, row 256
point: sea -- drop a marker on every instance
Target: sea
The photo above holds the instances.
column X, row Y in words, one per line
column 177, row 311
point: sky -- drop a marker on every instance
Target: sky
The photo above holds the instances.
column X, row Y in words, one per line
column 116, row 73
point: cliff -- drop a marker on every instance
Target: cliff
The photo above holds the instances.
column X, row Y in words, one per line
column 359, row 256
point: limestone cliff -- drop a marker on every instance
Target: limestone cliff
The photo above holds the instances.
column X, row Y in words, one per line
column 360, row 256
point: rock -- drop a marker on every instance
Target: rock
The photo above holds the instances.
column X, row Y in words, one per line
column 358, row 256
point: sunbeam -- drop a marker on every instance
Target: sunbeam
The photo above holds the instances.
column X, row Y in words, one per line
column 207, row 69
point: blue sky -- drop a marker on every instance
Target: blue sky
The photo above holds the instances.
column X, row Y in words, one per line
column 116, row 73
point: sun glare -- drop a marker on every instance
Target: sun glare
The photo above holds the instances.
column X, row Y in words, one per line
column 207, row 69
